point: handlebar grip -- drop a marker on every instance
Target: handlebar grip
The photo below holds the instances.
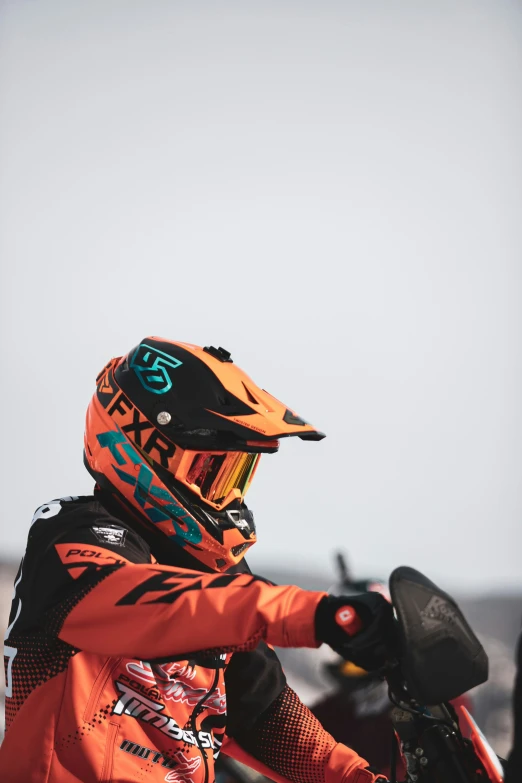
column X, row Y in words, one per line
column 347, row 618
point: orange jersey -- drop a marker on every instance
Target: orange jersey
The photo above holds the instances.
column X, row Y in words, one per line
column 120, row 669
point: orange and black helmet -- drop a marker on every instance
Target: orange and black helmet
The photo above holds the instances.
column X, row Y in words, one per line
column 177, row 431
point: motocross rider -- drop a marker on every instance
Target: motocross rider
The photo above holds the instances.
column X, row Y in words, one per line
column 139, row 642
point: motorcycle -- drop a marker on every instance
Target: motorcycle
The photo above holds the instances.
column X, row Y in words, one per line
column 438, row 658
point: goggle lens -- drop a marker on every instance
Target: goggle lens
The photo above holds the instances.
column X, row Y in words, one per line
column 217, row 474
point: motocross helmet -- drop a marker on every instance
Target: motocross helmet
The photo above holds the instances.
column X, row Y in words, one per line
column 176, row 431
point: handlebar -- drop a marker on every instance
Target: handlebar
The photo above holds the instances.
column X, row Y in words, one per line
column 348, row 619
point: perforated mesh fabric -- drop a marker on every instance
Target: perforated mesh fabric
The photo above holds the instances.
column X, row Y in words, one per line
column 290, row 740
column 41, row 655
column 39, row 658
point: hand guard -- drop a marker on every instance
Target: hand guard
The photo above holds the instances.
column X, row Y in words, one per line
column 359, row 628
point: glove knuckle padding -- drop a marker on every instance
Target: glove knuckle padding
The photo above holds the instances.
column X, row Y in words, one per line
column 369, row 647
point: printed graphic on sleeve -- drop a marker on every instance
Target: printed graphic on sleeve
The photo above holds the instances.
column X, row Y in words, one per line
column 110, row 534
column 78, row 558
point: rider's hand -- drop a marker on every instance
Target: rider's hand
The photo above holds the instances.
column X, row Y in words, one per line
column 360, row 628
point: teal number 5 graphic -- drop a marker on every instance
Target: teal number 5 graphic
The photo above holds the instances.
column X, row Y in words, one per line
column 154, row 368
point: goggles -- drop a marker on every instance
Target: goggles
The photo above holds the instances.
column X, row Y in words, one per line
column 218, row 477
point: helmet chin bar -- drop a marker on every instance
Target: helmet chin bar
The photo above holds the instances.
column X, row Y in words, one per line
column 242, row 519
column 237, row 515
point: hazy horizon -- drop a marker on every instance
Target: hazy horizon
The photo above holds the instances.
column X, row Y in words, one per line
column 330, row 191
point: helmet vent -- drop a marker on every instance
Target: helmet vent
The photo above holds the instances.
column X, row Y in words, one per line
column 291, row 418
column 250, row 396
column 237, row 550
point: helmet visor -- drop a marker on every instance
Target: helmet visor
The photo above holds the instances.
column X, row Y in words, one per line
column 215, row 475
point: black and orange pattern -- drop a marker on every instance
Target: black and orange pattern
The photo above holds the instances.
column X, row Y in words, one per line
column 121, row 667
column 177, row 431
column 289, row 739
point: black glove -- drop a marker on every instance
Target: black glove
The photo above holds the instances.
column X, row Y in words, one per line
column 370, row 646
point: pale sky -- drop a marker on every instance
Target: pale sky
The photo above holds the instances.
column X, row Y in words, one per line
column 330, row 190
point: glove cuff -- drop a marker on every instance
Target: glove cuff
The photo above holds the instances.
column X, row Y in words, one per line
column 345, row 766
